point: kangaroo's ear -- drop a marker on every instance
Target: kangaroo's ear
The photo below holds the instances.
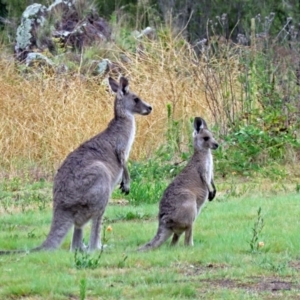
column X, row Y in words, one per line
column 199, row 124
column 124, row 85
column 204, row 124
column 113, row 84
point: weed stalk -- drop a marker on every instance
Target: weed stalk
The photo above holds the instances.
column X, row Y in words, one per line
column 256, row 231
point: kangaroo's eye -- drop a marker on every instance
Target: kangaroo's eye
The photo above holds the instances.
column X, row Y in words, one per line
column 136, row 100
column 206, row 138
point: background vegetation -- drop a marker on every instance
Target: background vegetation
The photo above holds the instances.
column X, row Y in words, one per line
column 190, row 14
column 242, row 79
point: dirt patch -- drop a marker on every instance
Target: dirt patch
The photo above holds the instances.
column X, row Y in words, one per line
column 275, row 285
column 198, row 269
column 257, row 285
column 295, row 265
column 251, row 284
column 121, row 202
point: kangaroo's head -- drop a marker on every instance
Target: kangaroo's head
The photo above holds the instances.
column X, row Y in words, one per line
column 203, row 138
column 127, row 103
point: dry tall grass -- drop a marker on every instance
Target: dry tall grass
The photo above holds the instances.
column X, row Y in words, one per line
column 44, row 117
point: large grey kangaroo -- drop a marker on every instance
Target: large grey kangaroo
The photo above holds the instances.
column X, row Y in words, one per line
column 84, row 182
column 183, row 198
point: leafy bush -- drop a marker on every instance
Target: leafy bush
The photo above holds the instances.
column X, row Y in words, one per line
column 149, row 179
column 252, row 95
column 249, row 148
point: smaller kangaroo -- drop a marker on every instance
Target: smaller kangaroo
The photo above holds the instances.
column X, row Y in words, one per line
column 84, row 182
column 183, row 198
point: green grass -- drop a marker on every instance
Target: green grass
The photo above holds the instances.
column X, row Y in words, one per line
column 221, row 264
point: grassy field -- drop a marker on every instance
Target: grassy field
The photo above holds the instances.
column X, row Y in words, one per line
column 221, row 265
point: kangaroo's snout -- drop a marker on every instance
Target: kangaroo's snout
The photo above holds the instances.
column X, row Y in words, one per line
column 147, row 111
column 215, row 146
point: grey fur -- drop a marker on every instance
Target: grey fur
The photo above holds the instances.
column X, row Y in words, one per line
column 182, row 200
column 84, row 182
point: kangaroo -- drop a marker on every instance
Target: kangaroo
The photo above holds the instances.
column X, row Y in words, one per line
column 84, row 182
column 183, row 198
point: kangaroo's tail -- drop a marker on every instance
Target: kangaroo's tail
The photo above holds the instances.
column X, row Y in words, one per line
column 58, row 231
column 9, row 252
column 161, row 236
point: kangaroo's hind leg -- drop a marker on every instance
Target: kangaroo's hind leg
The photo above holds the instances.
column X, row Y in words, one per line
column 95, row 240
column 77, row 241
column 175, row 239
column 188, row 238
column 99, row 195
column 98, row 189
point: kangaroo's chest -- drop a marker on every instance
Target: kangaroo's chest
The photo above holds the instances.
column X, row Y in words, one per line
column 130, row 139
column 209, row 167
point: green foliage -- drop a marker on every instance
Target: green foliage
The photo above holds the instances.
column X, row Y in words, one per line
column 249, row 147
column 146, row 192
column 125, row 40
column 148, row 181
column 122, row 262
column 129, row 13
column 106, row 8
column 19, row 193
column 86, row 260
column 279, row 267
column 207, row 17
column 173, row 132
column 3, row 13
column 260, row 125
column 82, row 288
column 132, row 215
column 15, row 8
column 254, row 243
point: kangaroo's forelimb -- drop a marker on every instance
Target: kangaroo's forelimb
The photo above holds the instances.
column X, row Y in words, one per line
column 212, row 194
column 125, row 183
